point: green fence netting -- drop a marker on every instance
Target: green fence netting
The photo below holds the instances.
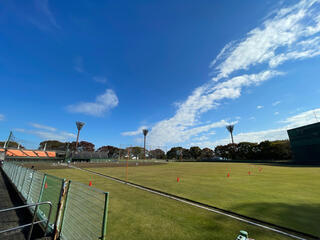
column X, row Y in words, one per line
column 52, row 190
column 85, row 215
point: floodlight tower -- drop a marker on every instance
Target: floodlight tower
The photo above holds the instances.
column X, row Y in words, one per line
column 79, row 127
column 145, row 132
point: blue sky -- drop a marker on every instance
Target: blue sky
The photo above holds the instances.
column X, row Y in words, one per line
column 182, row 69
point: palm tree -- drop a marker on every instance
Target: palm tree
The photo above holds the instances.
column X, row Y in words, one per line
column 145, row 132
column 230, row 129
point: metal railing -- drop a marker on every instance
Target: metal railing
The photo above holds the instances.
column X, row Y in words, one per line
column 36, row 205
column 72, row 203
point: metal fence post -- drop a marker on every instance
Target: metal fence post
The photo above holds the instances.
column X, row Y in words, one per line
column 30, row 186
column 65, row 205
column 105, row 216
column 42, row 187
column 57, row 227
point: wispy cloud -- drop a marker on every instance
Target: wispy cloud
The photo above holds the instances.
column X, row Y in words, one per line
column 102, row 104
column 47, row 132
column 44, row 127
column 259, row 107
column 100, row 79
column 43, row 7
column 291, row 33
column 78, row 64
column 301, row 119
column 184, row 124
column 288, row 35
column 41, row 16
column 279, row 133
column 276, row 103
column 2, row 117
column 276, row 113
column 134, row 133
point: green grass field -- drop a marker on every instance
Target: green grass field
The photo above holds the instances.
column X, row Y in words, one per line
column 136, row 214
column 286, row 196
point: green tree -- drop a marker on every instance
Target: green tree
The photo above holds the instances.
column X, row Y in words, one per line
column 111, row 150
column 206, row 154
column 137, row 152
column 157, row 153
column 53, row 145
column 83, row 146
column 12, row 144
column 195, row 152
column 247, row 150
column 175, row 153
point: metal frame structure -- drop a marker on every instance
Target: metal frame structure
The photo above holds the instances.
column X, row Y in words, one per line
column 36, row 205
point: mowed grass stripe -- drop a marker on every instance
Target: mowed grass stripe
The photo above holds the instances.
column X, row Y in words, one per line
column 285, row 196
column 135, row 214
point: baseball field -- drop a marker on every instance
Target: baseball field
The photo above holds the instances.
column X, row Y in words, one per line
column 287, row 196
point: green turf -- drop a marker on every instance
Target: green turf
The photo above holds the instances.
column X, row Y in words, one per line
column 287, row 196
column 136, row 214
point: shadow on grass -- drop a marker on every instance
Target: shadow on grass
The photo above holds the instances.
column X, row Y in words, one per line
column 288, row 164
column 303, row 218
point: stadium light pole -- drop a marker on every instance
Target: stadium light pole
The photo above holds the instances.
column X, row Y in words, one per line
column 79, row 127
column 145, row 132
column 230, row 129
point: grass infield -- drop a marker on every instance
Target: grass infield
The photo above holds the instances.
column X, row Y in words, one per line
column 135, row 214
column 288, row 196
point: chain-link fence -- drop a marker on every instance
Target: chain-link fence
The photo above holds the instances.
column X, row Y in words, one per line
column 78, row 211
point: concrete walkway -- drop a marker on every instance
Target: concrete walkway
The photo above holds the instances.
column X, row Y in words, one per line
column 9, row 198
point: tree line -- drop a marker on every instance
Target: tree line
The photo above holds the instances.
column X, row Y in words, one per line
column 266, row 150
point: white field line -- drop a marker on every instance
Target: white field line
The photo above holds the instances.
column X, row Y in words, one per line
column 196, row 205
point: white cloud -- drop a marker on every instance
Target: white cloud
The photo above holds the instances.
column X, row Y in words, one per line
column 304, row 118
column 48, row 133
column 276, row 113
column 259, row 107
column 290, row 33
column 280, row 133
column 285, row 36
column 184, row 124
column 48, row 128
column 100, row 79
column 134, row 133
column 60, row 136
column 201, row 138
column 2, row 117
column 103, row 103
column 276, row 103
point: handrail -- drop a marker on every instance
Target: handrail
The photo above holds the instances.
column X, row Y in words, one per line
column 33, row 219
